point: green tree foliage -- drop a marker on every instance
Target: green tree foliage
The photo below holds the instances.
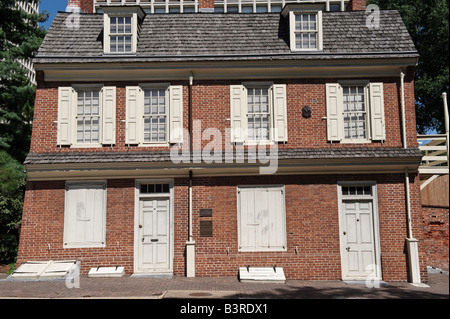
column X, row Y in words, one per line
column 20, row 38
column 427, row 23
column 12, row 182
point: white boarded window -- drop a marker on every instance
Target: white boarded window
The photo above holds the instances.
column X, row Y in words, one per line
column 261, row 218
column 85, row 215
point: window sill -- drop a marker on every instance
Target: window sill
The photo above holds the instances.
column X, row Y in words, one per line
column 356, row 141
column 84, row 246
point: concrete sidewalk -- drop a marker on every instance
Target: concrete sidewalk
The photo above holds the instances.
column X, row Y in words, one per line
column 227, row 288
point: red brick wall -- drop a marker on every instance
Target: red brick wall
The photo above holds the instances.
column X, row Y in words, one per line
column 311, row 215
column 211, row 105
column 356, row 5
column 435, row 242
column 85, row 5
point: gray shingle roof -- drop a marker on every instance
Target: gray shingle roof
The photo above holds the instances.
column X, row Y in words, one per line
column 201, row 36
column 164, row 156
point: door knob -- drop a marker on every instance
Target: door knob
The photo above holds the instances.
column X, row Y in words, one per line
column 345, row 233
column 348, row 248
column 140, row 226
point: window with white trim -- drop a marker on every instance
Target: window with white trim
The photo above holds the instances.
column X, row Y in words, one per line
column 305, row 30
column 355, row 111
column 261, row 218
column 120, row 29
column 85, row 214
column 154, row 114
column 121, row 34
column 258, row 112
column 258, row 117
column 86, row 116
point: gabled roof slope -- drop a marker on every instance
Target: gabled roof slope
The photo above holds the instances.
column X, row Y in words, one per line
column 187, row 37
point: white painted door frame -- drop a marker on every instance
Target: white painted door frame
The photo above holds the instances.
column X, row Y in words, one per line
column 373, row 198
column 137, row 211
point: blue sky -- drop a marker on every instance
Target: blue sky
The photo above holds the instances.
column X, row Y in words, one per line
column 52, row 7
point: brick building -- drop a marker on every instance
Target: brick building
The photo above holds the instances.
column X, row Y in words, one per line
column 301, row 122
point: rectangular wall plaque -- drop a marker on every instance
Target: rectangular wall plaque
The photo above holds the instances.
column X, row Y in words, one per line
column 206, row 229
column 205, row 212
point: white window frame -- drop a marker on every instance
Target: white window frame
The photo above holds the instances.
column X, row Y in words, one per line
column 294, row 31
column 365, row 86
column 78, row 185
column 277, row 102
column 157, row 86
column 107, row 33
column 67, row 115
column 77, row 89
column 283, row 219
column 269, row 87
column 135, row 114
column 374, row 105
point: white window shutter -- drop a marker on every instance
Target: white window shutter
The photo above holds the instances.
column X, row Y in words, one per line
column 109, row 115
column 334, row 98
column 262, row 219
column 280, row 112
column 84, row 216
column 176, row 114
column 377, row 122
column 238, row 112
column 133, row 115
column 66, row 97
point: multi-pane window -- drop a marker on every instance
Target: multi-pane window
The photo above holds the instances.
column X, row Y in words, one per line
column 306, row 31
column 258, row 117
column 355, row 113
column 357, row 190
column 88, row 116
column 155, row 115
column 121, row 34
column 155, row 188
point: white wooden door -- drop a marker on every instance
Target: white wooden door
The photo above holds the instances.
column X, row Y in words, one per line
column 358, row 239
column 154, row 235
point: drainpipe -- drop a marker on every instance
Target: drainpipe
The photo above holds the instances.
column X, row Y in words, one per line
column 190, row 244
column 411, row 242
column 402, row 99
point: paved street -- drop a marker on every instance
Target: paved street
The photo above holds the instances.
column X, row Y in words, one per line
column 229, row 288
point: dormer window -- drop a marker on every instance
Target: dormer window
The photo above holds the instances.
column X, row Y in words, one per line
column 120, row 34
column 305, row 27
column 306, row 31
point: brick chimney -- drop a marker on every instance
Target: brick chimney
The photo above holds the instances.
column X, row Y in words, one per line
column 84, row 5
column 356, row 5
